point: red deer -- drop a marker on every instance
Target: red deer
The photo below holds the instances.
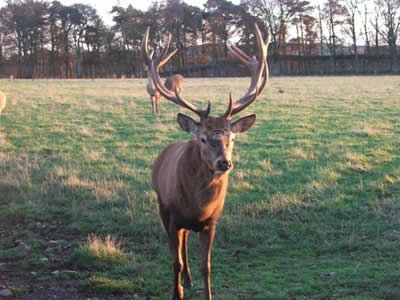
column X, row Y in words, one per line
column 3, row 101
column 172, row 83
column 190, row 178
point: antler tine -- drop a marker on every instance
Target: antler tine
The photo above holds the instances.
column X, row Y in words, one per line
column 154, row 64
column 244, row 58
column 258, row 69
column 265, row 77
column 166, row 47
column 228, row 113
column 165, row 56
column 145, row 49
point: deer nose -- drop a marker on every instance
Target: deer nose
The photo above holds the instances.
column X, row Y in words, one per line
column 224, row 165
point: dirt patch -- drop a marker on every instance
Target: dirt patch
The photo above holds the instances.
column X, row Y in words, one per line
column 34, row 264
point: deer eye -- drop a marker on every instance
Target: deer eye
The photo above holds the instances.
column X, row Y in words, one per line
column 203, row 140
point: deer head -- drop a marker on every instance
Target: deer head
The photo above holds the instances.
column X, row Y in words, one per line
column 215, row 136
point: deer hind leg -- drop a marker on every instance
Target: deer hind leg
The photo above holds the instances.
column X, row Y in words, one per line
column 153, row 102
column 187, row 277
column 164, row 214
column 175, row 247
column 206, row 241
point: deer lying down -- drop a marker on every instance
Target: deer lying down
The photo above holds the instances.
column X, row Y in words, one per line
column 3, row 101
column 172, row 83
column 191, row 177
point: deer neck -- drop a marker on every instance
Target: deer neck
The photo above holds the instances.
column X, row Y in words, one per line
column 150, row 85
column 197, row 174
column 149, row 81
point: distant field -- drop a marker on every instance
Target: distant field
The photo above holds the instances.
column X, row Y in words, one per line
column 312, row 212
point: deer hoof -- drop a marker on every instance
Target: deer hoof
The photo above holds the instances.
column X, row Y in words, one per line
column 188, row 284
column 178, row 293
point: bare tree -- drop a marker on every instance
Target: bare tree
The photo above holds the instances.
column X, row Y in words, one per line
column 390, row 12
column 310, row 34
column 47, row 38
column 364, row 17
column 375, row 22
column 220, row 15
column 321, row 32
column 6, row 34
column 81, row 17
column 26, row 20
column 277, row 15
column 65, row 15
column 351, row 8
column 129, row 25
column 298, row 20
column 334, row 12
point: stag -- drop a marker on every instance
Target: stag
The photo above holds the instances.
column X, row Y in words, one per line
column 190, row 178
column 172, row 83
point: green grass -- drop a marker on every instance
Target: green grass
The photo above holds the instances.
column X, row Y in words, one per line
column 109, row 286
column 313, row 208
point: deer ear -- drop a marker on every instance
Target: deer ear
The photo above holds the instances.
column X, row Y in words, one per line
column 188, row 124
column 243, row 124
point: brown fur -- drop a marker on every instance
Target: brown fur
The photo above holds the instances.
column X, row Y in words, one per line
column 174, row 82
column 171, row 83
column 191, row 190
column 187, row 188
column 3, row 101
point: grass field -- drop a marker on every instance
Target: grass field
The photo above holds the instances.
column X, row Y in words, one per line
column 312, row 212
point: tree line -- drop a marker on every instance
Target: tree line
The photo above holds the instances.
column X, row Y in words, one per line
column 43, row 39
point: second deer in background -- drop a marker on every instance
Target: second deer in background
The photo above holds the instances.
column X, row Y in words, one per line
column 174, row 82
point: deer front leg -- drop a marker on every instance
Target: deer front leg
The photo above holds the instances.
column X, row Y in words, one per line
column 175, row 247
column 186, row 270
column 206, row 241
column 158, row 96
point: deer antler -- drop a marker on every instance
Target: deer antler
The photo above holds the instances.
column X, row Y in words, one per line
column 258, row 70
column 154, row 65
column 259, row 74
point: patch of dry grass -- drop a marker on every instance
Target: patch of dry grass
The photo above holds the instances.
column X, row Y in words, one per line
column 92, row 155
column 107, row 249
column 84, row 131
column 300, row 153
column 367, row 130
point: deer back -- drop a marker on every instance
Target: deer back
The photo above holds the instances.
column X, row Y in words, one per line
column 174, row 82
